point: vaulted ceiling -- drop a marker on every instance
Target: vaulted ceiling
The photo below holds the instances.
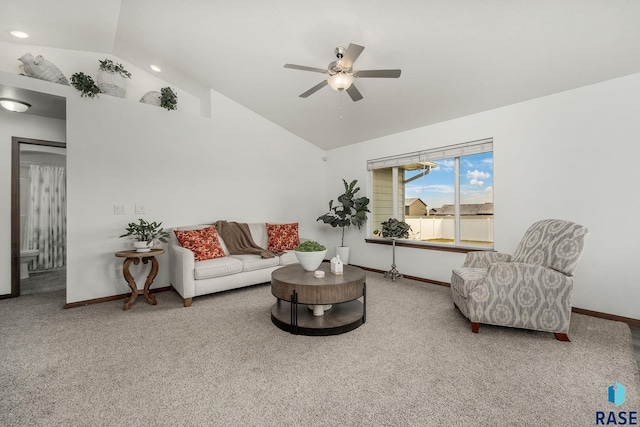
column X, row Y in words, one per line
column 458, row 57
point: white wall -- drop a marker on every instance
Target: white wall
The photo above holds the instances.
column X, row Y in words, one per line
column 571, row 155
column 184, row 169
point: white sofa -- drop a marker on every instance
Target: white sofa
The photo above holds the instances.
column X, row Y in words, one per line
column 192, row 278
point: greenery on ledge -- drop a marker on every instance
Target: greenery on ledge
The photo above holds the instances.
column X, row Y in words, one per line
column 109, row 65
column 168, row 98
column 85, row 84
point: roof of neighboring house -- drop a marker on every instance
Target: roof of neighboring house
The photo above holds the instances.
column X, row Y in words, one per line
column 411, row 200
column 465, row 209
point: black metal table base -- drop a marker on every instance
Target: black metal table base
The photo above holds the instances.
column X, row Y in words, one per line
column 298, row 319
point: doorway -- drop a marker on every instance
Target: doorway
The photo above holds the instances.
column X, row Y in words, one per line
column 16, row 144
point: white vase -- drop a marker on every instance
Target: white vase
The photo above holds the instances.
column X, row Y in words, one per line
column 310, row 261
column 343, row 251
column 141, row 246
column 152, row 98
column 111, row 83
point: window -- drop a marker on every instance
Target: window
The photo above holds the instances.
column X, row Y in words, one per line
column 445, row 194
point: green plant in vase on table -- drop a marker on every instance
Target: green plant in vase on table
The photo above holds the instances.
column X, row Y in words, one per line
column 395, row 229
column 310, row 254
column 146, row 235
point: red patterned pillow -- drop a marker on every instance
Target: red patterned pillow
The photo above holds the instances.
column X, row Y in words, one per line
column 203, row 243
column 282, row 237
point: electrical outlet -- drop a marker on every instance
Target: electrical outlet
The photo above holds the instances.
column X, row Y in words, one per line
column 141, row 209
column 119, row 210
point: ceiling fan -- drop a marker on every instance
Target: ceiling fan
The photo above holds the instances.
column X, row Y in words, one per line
column 341, row 73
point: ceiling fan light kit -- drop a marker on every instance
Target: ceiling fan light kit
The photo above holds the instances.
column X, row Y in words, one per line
column 340, row 81
column 341, row 74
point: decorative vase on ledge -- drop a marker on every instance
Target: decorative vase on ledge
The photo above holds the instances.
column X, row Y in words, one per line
column 111, row 78
column 111, row 83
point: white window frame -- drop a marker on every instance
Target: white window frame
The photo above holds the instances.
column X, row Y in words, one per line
column 452, row 151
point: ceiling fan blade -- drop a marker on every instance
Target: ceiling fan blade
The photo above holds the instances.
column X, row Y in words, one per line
column 351, row 54
column 354, row 93
column 304, row 68
column 378, row 73
column 314, row 89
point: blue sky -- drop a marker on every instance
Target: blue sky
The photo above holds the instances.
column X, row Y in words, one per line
column 437, row 188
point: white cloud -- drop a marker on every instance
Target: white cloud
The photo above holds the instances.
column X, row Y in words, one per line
column 444, row 189
column 476, row 177
column 474, row 194
column 445, row 165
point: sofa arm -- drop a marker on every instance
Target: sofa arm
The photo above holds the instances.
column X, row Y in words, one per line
column 482, row 259
column 182, row 265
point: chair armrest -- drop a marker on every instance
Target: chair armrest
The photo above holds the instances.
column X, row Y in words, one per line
column 528, row 284
column 182, row 266
column 482, row 259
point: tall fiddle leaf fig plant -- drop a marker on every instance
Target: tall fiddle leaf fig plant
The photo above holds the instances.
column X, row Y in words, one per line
column 351, row 210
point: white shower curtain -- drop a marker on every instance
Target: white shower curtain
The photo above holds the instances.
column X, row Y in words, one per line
column 46, row 224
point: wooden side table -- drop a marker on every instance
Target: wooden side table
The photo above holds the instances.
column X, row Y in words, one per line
column 135, row 257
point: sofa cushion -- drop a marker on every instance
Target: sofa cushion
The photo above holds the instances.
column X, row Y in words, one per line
column 255, row 262
column 288, row 258
column 282, row 237
column 217, row 267
column 202, row 242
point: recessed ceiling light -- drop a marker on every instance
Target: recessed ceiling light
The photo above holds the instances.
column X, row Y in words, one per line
column 19, row 34
column 155, row 68
column 14, row 105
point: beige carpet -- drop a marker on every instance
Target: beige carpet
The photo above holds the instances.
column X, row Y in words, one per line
column 223, row 363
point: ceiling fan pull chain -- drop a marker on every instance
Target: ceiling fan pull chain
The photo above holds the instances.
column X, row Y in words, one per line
column 340, row 104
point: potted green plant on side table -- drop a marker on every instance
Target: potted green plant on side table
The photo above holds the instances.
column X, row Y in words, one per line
column 146, row 235
column 352, row 210
column 395, row 229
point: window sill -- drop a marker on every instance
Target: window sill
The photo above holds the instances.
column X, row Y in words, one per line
column 429, row 246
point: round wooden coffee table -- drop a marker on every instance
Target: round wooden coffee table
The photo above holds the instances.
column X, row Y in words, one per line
column 333, row 298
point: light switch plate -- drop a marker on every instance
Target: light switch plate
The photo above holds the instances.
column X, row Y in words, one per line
column 141, row 209
column 119, row 210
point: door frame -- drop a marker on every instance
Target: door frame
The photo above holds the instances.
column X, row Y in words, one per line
column 15, row 206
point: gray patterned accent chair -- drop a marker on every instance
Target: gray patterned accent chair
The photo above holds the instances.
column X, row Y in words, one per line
column 530, row 289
